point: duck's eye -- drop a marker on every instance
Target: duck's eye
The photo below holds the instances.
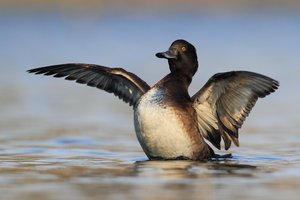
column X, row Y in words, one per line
column 183, row 49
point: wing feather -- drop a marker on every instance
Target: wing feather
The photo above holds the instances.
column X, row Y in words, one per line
column 225, row 101
column 127, row 86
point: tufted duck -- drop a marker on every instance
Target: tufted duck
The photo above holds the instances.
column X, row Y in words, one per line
column 170, row 124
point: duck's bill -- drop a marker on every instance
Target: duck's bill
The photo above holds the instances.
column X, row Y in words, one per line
column 168, row 54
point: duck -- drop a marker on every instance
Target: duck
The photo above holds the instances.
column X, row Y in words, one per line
column 169, row 123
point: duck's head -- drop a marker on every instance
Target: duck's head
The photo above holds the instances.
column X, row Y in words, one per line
column 182, row 57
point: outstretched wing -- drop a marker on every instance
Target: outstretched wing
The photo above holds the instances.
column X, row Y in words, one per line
column 127, row 86
column 226, row 100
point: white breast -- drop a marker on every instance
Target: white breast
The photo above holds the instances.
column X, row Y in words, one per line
column 159, row 128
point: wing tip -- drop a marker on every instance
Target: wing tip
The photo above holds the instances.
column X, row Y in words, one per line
column 29, row 71
column 72, row 72
column 35, row 70
column 276, row 84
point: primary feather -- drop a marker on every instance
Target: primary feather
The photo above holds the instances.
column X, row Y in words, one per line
column 225, row 101
column 127, row 86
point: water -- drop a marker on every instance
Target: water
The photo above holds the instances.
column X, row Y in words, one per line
column 61, row 140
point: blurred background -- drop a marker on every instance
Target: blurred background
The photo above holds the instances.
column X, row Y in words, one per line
column 63, row 140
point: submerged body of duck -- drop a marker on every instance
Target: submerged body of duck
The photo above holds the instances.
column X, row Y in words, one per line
column 170, row 124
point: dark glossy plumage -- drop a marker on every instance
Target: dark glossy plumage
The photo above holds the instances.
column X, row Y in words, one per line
column 166, row 112
column 125, row 85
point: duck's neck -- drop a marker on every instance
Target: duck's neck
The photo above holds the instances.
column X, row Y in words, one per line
column 176, row 85
column 184, row 79
column 185, row 73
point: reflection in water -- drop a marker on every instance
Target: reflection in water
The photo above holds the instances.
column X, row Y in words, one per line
column 191, row 169
column 100, row 175
column 108, row 178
